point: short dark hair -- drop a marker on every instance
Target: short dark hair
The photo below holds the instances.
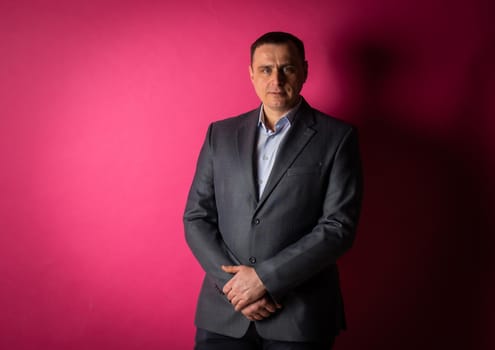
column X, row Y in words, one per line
column 278, row 38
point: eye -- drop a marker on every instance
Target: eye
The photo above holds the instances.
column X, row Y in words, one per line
column 266, row 70
column 289, row 69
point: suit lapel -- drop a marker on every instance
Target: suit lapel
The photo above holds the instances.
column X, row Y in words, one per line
column 246, row 139
column 298, row 136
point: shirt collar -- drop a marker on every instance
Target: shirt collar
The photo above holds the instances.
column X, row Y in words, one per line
column 286, row 118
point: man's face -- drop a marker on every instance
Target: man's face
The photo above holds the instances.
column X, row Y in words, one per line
column 278, row 74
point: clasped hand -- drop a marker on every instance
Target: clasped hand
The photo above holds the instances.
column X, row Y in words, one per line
column 247, row 293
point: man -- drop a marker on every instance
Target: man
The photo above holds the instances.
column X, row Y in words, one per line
column 274, row 202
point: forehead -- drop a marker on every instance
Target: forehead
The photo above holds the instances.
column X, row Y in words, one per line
column 269, row 53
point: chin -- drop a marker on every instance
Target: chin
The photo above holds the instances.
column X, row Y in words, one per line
column 278, row 106
column 279, row 103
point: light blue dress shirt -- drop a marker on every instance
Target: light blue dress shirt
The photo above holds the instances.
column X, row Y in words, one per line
column 268, row 144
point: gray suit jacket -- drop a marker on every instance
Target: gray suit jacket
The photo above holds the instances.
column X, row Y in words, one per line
column 292, row 236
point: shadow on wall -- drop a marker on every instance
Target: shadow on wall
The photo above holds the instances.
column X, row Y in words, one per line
column 419, row 276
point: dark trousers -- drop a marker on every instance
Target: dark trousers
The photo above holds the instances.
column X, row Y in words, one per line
column 206, row 340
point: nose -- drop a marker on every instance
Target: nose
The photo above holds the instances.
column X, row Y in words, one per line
column 279, row 76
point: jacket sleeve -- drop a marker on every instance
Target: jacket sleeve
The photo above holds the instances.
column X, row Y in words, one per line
column 201, row 219
column 331, row 236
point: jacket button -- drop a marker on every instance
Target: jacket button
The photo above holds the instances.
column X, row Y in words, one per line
column 257, row 221
column 252, row 260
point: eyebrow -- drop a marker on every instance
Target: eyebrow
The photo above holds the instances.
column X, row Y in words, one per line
column 273, row 65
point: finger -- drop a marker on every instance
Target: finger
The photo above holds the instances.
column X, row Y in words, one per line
column 270, row 307
column 240, row 304
column 264, row 303
column 257, row 317
column 248, row 310
column 234, row 301
column 264, row 313
column 255, row 314
column 227, row 287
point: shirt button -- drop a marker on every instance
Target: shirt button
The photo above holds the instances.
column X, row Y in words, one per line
column 252, row 260
column 257, row 221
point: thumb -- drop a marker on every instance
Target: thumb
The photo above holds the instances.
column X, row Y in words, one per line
column 230, row 269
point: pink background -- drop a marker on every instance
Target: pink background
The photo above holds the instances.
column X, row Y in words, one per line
column 103, row 108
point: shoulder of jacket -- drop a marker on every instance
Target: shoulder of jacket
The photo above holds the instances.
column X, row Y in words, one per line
column 332, row 122
column 235, row 121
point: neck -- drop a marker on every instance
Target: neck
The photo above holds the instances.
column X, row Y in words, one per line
column 271, row 117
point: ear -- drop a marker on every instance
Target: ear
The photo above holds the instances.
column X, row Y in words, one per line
column 251, row 72
column 305, row 65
